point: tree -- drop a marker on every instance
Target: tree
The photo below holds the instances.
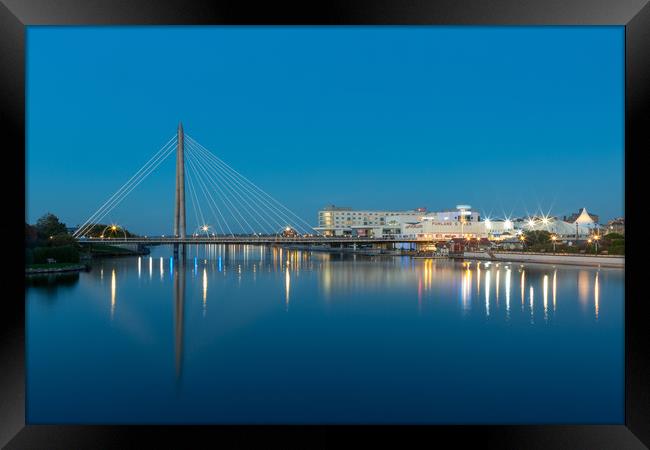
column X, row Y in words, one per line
column 537, row 237
column 62, row 240
column 101, row 229
column 613, row 237
column 31, row 235
column 49, row 225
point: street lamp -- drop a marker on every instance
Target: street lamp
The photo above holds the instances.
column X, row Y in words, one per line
column 522, row 238
column 554, row 238
column 597, row 238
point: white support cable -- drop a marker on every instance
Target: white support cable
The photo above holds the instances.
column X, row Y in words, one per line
column 198, row 211
column 124, row 186
column 110, row 202
column 267, row 210
column 126, row 193
column 199, row 203
column 230, row 188
column 258, row 200
column 234, row 209
column 220, row 161
column 122, row 196
column 208, row 165
column 206, row 193
column 192, row 196
column 250, row 182
column 263, row 205
column 255, row 195
column 256, row 204
column 208, row 199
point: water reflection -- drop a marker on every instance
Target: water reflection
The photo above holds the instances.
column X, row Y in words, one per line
column 287, row 286
column 342, row 274
column 488, row 275
column 466, row 288
column 522, row 283
column 183, row 364
column 596, row 294
column 205, row 289
column 508, row 292
column 179, row 311
column 496, row 285
column 545, row 296
column 532, row 305
column 113, row 289
column 583, row 287
column 554, row 288
column 52, row 285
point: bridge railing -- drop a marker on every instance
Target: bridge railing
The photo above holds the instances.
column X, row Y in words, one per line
column 252, row 239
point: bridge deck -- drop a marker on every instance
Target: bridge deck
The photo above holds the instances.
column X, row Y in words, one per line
column 249, row 240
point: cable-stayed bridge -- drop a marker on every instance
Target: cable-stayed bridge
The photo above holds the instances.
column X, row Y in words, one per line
column 226, row 207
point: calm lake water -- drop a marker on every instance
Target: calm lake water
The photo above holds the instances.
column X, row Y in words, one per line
column 261, row 335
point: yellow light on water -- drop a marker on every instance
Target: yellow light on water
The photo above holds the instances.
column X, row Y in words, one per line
column 113, row 290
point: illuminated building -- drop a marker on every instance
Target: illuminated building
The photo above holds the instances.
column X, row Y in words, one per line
column 344, row 221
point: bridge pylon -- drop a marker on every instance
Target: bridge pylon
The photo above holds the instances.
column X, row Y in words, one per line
column 179, row 205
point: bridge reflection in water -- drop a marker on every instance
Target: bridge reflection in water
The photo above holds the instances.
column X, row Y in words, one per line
column 179, row 311
column 342, row 274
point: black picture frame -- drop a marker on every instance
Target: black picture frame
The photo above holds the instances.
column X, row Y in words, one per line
column 15, row 15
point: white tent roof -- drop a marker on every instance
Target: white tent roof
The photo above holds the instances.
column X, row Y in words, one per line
column 584, row 217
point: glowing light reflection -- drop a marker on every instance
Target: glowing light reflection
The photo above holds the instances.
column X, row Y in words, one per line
column 113, row 292
column 205, row 290
column 508, row 293
column 545, row 296
column 596, row 294
column 554, row 288
column 287, row 286
column 488, row 275
column 523, row 287
column 532, row 303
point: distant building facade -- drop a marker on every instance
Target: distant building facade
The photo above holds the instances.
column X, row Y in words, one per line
column 459, row 223
column 615, row 226
column 345, row 221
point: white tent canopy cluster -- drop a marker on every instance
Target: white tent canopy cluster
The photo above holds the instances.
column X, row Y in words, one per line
column 582, row 226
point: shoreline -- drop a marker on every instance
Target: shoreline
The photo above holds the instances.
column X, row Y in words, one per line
column 610, row 261
column 70, row 268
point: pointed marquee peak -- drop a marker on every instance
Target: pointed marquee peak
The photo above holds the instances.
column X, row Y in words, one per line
column 584, row 217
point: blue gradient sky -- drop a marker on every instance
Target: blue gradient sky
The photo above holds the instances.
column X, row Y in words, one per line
column 507, row 119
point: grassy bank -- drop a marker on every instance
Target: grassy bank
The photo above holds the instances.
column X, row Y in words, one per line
column 53, row 268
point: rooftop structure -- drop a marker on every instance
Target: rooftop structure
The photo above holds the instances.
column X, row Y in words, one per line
column 615, row 226
column 582, row 217
column 341, row 221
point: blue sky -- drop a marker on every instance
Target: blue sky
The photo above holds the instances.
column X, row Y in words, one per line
column 506, row 119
